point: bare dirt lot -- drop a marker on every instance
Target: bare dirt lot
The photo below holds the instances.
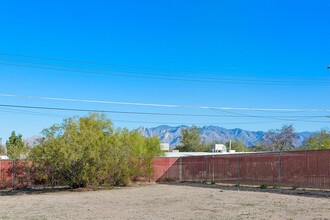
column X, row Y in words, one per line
column 162, row 202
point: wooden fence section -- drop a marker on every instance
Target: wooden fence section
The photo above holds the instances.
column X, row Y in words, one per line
column 306, row 169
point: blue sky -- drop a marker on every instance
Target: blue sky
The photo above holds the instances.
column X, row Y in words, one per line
column 253, row 44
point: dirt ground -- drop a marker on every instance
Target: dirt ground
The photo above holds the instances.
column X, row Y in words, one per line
column 162, row 202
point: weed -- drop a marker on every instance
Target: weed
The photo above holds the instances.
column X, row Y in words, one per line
column 263, row 186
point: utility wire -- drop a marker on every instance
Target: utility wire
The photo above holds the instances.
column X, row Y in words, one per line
column 127, row 121
column 161, row 105
column 150, row 74
column 157, row 113
column 267, row 117
column 118, row 65
column 229, row 81
column 145, row 122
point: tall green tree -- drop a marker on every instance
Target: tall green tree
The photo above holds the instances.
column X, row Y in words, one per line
column 319, row 141
column 190, row 140
column 16, row 148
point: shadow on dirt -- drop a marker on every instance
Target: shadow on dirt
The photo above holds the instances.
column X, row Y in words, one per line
column 34, row 191
column 317, row 193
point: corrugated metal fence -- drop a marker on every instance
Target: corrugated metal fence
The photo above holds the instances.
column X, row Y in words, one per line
column 14, row 174
column 306, row 169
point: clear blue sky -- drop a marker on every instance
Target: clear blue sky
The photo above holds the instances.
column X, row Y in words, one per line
column 244, row 41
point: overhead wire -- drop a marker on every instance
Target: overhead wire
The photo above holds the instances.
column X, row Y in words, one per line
column 203, row 78
column 130, row 66
column 120, row 73
column 119, row 65
column 144, row 122
column 80, row 69
column 286, row 118
column 161, row 105
column 156, row 113
column 15, row 111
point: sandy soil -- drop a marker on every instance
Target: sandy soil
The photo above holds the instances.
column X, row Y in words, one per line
column 162, row 202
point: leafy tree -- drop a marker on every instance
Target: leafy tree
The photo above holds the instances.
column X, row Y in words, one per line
column 190, row 140
column 238, row 146
column 319, row 141
column 281, row 139
column 205, row 147
column 16, row 148
column 2, row 150
column 87, row 151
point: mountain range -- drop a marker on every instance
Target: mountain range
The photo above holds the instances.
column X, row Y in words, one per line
column 171, row 135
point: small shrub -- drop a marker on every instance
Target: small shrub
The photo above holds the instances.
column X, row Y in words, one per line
column 237, row 185
column 263, row 186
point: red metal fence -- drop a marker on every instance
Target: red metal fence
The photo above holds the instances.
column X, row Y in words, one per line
column 14, row 174
column 306, row 169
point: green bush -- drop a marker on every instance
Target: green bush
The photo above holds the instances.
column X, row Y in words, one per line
column 87, row 151
column 263, row 186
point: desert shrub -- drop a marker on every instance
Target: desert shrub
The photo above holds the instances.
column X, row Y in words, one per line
column 263, row 186
column 86, row 151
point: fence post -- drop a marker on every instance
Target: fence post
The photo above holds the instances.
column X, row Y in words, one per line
column 279, row 169
column 14, row 173
column 180, row 169
column 213, row 179
column 206, row 169
column 239, row 169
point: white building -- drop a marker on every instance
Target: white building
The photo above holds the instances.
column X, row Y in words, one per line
column 219, row 148
column 165, row 147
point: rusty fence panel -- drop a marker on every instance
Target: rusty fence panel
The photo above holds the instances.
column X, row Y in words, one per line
column 304, row 169
column 14, row 174
column 165, row 169
column 259, row 169
column 309, row 169
column 6, row 174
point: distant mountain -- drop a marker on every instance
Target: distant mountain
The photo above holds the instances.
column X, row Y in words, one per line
column 217, row 134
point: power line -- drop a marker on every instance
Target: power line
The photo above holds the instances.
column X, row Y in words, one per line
column 127, row 121
column 81, row 62
column 119, row 65
column 162, row 105
column 267, row 117
column 16, row 111
column 149, row 74
column 158, row 113
column 228, row 81
column 144, row 122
